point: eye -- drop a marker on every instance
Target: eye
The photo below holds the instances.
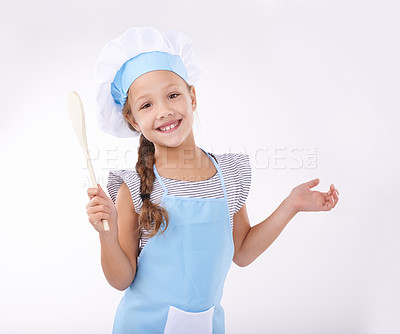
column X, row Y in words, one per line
column 145, row 106
column 173, row 95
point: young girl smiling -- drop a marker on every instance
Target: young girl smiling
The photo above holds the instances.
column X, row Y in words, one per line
column 179, row 219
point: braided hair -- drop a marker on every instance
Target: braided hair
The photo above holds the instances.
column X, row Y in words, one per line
column 151, row 215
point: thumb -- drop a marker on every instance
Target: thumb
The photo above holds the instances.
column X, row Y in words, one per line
column 312, row 183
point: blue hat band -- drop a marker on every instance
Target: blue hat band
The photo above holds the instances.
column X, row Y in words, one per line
column 141, row 64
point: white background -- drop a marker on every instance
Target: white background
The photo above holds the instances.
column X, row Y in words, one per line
column 316, row 78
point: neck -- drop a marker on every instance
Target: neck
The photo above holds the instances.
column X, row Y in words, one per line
column 178, row 157
column 186, row 155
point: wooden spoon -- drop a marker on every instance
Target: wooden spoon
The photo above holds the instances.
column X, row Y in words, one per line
column 77, row 116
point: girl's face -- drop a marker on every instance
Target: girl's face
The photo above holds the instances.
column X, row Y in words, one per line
column 162, row 107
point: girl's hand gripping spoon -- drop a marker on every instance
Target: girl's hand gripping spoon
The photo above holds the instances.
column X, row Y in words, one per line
column 77, row 116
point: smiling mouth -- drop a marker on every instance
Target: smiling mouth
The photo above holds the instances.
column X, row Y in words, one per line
column 170, row 128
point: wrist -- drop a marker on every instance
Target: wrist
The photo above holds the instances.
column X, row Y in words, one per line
column 108, row 237
column 290, row 206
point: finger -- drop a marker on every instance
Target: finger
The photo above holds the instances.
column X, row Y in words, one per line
column 328, row 205
column 96, row 200
column 98, row 226
column 97, row 209
column 335, row 197
column 312, row 183
column 92, row 192
column 332, row 201
column 329, row 200
column 331, row 190
column 98, row 217
column 90, row 195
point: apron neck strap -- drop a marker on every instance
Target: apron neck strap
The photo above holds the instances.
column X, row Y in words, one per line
column 215, row 164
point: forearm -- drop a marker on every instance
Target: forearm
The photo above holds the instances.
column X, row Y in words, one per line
column 262, row 235
column 116, row 266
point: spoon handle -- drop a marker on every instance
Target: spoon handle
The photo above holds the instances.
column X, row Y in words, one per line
column 93, row 182
column 77, row 117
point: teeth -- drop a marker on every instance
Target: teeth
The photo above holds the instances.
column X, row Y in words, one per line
column 169, row 127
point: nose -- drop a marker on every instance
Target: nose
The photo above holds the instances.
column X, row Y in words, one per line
column 164, row 111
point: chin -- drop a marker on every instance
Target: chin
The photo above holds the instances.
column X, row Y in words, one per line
column 171, row 143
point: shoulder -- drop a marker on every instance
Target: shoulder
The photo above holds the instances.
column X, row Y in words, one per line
column 236, row 170
column 117, row 177
column 128, row 174
column 237, row 163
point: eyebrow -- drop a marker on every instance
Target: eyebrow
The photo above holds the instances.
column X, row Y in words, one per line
column 166, row 86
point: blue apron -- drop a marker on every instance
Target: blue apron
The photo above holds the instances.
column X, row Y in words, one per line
column 180, row 274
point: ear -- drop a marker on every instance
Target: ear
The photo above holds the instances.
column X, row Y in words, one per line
column 131, row 120
column 193, row 97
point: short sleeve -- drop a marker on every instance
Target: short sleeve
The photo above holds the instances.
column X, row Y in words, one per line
column 243, row 179
column 131, row 179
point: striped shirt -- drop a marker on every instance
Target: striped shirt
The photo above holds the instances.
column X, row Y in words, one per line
column 236, row 171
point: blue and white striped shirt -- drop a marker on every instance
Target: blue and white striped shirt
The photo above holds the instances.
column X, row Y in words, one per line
column 236, row 171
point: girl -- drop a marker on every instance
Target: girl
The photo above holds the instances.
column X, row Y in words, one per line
column 179, row 220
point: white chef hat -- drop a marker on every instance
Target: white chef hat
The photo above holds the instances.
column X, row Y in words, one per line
column 137, row 51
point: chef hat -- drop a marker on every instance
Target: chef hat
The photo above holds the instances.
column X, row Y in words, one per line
column 137, row 51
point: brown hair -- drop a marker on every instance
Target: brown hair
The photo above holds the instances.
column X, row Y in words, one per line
column 150, row 212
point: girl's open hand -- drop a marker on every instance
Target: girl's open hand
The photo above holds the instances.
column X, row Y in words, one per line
column 101, row 207
column 305, row 199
